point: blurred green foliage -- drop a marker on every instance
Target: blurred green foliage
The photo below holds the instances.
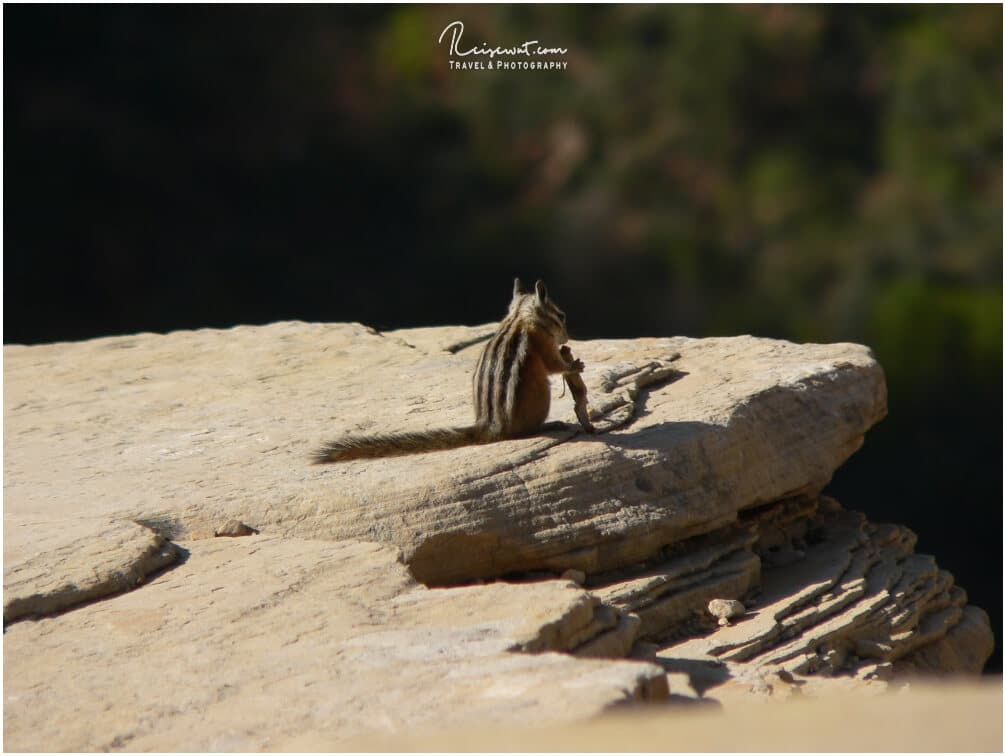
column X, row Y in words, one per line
column 813, row 172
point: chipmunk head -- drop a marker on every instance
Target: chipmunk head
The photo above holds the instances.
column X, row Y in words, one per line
column 538, row 308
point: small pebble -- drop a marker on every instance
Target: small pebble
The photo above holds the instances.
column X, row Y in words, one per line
column 725, row 609
column 234, row 529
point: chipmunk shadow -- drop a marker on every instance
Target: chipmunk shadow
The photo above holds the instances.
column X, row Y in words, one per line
column 620, row 434
column 658, row 436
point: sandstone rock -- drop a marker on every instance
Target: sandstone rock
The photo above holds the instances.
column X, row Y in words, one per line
column 858, row 597
column 616, row 643
column 104, row 558
column 703, row 483
column 185, row 431
column 965, row 648
column 251, row 642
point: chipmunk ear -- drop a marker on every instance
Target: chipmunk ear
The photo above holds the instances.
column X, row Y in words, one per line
column 540, row 290
column 518, row 288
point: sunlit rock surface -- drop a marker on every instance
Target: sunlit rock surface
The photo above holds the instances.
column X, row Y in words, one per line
column 381, row 595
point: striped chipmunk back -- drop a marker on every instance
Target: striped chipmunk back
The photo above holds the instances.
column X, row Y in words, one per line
column 497, row 377
column 510, row 386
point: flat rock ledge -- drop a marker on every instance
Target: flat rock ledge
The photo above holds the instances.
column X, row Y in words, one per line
column 427, row 591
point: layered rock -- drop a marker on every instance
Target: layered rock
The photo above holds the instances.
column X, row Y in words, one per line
column 123, row 455
column 252, row 641
column 837, row 597
column 117, row 558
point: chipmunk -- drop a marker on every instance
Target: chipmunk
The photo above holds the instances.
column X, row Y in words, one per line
column 511, row 388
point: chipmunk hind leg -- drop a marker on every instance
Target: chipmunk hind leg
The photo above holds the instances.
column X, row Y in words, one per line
column 533, row 400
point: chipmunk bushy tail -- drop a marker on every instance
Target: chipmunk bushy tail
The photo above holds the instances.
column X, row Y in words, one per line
column 397, row 444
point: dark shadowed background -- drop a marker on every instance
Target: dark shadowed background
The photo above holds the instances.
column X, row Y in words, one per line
column 802, row 172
